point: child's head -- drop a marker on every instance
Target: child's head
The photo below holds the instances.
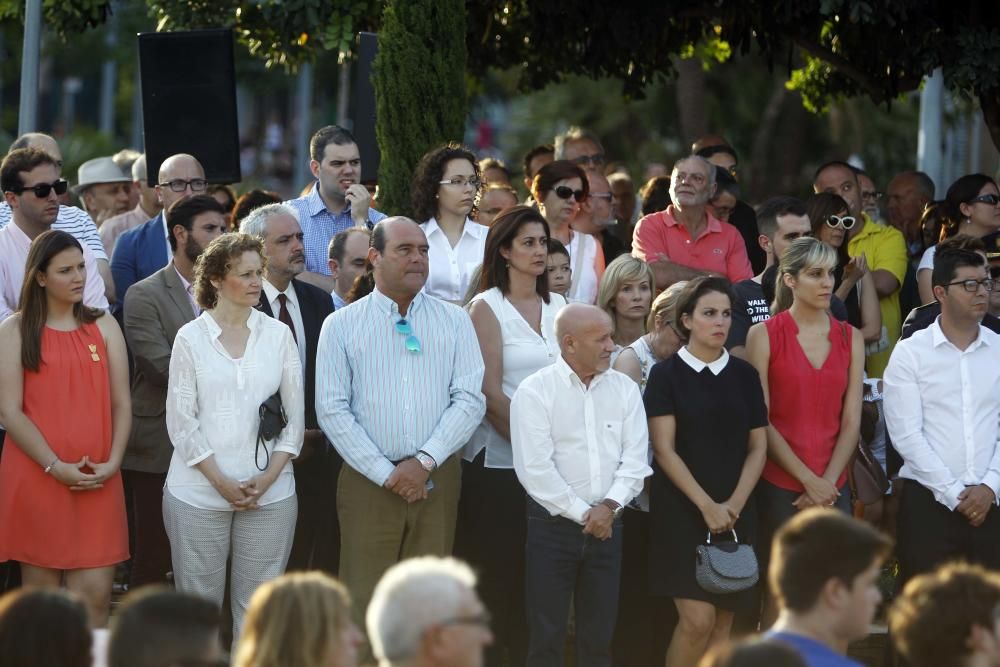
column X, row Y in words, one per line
column 560, row 275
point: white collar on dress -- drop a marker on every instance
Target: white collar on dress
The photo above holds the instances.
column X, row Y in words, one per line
column 698, row 365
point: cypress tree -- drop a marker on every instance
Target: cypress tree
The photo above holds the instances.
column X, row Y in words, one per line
column 419, row 81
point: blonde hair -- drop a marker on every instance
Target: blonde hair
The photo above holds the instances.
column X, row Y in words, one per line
column 215, row 262
column 296, row 619
column 803, row 253
column 662, row 311
column 624, row 268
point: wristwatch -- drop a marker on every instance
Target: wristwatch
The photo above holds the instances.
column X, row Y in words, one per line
column 426, row 461
column 616, row 509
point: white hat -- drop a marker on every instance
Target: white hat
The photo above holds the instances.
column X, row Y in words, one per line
column 99, row 170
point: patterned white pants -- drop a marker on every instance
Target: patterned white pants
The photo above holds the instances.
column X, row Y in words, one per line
column 258, row 541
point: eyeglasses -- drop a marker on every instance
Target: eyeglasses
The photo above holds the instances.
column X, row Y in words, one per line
column 565, row 192
column 42, row 190
column 871, row 194
column 412, row 342
column 180, row 185
column 606, row 196
column 990, row 199
column 973, row 285
column 483, row 620
column 597, row 159
column 835, row 221
column 461, row 182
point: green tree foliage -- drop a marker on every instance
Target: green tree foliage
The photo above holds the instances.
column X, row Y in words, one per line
column 419, row 79
column 66, row 18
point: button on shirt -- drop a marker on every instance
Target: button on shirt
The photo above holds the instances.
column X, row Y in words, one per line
column 576, row 445
column 942, row 409
column 377, row 402
column 719, row 249
column 451, row 268
column 14, row 247
column 319, row 225
column 213, row 402
column 294, row 310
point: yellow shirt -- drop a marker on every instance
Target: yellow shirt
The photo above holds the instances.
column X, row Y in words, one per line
column 885, row 249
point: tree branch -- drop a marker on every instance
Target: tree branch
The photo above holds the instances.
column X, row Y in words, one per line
column 868, row 83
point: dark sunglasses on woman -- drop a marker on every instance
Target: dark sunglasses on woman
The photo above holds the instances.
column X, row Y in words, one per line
column 565, row 192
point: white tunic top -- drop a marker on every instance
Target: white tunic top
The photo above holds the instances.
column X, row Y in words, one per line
column 524, row 352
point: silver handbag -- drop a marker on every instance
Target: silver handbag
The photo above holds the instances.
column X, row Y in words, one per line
column 729, row 567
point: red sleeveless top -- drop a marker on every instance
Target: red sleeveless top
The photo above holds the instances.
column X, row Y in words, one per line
column 806, row 402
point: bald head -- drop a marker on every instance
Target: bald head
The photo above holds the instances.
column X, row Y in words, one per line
column 907, row 195
column 584, row 334
column 179, row 167
column 42, row 142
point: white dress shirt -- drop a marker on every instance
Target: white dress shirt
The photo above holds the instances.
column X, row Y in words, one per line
column 213, row 402
column 575, row 445
column 451, row 268
column 942, row 409
column 292, row 303
column 584, row 286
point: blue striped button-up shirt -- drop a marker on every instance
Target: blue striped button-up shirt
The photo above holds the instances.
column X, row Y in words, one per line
column 377, row 402
column 319, row 225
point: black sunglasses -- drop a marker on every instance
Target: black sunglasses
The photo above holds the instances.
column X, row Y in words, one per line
column 990, row 199
column 565, row 192
column 42, row 190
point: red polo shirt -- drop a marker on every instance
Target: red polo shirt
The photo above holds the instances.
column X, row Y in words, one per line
column 719, row 249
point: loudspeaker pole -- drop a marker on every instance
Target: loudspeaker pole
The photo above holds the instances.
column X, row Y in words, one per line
column 27, row 115
column 303, row 130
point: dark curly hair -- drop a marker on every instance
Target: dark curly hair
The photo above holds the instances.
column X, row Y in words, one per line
column 427, row 178
column 216, row 261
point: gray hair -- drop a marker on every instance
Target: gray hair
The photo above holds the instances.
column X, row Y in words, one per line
column 255, row 224
column 574, row 134
column 709, row 167
column 412, row 597
column 139, row 168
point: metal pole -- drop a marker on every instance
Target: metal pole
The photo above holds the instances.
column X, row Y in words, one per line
column 27, row 115
column 929, row 138
column 303, row 128
column 109, row 78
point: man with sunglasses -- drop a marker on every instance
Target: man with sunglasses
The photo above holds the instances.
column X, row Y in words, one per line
column 884, row 248
column 942, row 411
column 582, row 148
column 685, row 240
column 31, row 187
column 142, row 251
column 72, row 220
column 399, row 382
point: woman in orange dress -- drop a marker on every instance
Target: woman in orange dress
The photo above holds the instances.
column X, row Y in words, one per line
column 65, row 404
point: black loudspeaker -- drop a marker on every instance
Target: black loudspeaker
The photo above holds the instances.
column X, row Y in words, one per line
column 364, row 107
column 189, row 101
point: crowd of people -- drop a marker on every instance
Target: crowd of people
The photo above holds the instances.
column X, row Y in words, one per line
column 638, row 419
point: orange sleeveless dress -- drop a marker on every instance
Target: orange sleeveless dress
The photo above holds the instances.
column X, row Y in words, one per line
column 42, row 522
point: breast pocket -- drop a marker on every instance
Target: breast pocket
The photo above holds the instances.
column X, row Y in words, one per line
column 611, row 431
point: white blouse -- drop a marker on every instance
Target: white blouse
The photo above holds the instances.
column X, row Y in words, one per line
column 584, row 286
column 213, row 404
column 451, row 268
column 524, row 352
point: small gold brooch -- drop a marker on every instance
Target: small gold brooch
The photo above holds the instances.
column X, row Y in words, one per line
column 93, row 352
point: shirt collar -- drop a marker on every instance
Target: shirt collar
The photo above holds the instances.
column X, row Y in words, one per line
column 391, row 308
column 18, row 235
column 938, row 338
column 471, row 227
column 698, row 365
column 316, row 205
column 214, row 329
column 271, row 292
column 184, row 281
column 713, row 225
column 566, row 372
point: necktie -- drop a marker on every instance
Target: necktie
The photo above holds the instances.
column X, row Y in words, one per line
column 285, row 316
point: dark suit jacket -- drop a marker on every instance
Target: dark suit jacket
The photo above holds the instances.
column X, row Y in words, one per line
column 139, row 253
column 315, row 305
column 155, row 309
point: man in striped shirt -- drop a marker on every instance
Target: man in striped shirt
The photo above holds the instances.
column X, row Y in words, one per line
column 70, row 219
column 398, row 392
